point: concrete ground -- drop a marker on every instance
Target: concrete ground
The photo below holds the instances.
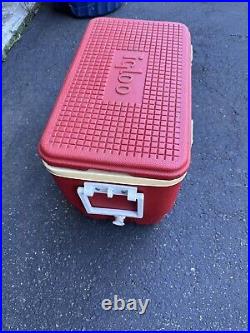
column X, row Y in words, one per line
column 15, row 15
column 57, row 265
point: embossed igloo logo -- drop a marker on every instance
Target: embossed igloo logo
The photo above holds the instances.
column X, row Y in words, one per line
column 126, row 79
column 128, row 68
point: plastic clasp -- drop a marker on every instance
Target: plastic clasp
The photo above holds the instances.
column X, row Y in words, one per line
column 89, row 189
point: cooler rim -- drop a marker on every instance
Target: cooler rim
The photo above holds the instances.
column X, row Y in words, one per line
column 110, row 177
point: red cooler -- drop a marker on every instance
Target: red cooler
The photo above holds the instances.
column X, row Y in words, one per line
column 118, row 141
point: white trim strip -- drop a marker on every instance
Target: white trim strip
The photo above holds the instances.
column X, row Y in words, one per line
column 109, row 177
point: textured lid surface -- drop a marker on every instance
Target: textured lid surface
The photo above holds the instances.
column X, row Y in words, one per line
column 125, row 104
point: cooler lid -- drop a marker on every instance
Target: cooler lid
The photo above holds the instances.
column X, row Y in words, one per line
column 125, row 104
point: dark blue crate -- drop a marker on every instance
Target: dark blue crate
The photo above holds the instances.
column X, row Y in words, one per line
column 92, row 9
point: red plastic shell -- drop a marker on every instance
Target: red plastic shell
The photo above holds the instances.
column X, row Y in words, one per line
column 125, row 104
column 158, row 201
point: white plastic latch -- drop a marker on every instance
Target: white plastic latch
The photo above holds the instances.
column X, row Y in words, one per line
column 110, row 190
column 119, row 221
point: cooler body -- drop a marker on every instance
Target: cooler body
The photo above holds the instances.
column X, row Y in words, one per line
column 158, row 201
column 118, row 141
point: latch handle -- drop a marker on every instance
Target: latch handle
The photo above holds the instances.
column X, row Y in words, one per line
column 89, row 189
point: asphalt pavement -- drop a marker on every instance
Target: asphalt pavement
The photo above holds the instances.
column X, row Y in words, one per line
column 57, row 265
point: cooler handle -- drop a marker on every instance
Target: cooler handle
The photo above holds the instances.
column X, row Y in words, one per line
column 130, row 192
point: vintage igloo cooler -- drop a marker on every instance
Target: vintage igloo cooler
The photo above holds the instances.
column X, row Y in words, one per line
column 118, row 141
